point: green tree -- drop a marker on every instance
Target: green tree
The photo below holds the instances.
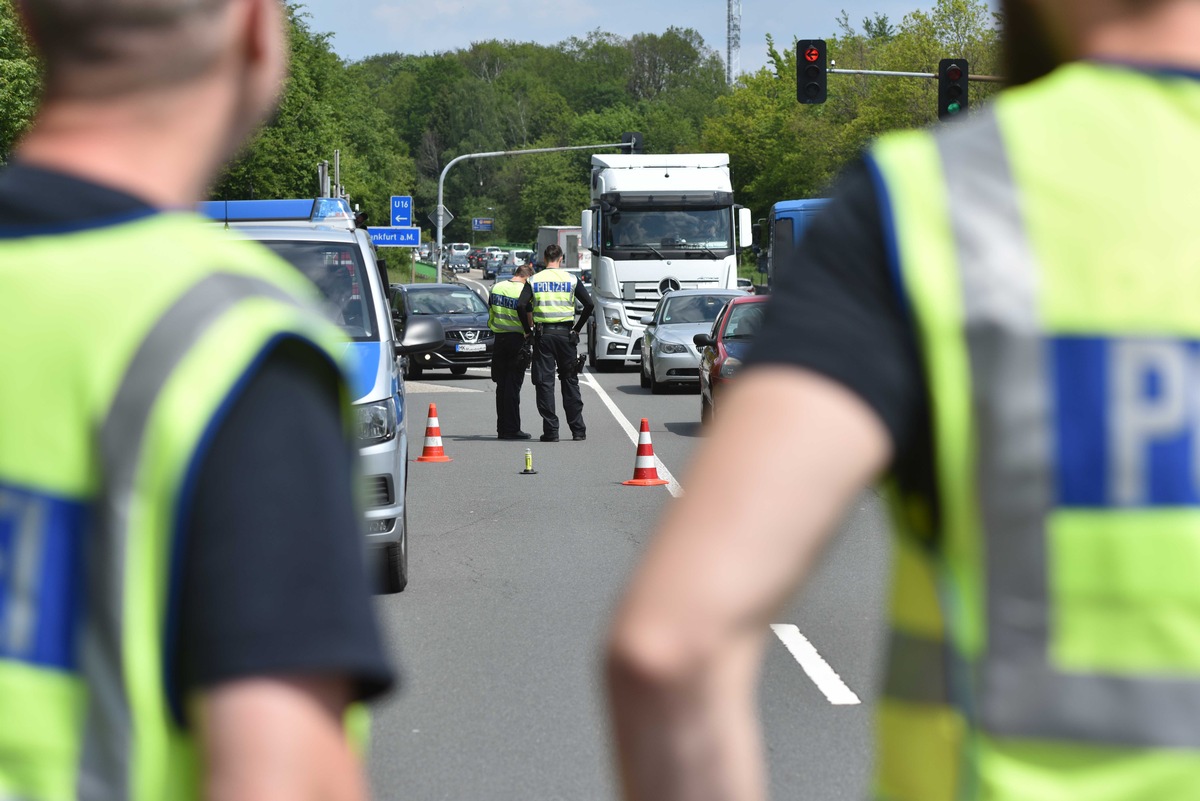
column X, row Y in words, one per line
column 20, row 80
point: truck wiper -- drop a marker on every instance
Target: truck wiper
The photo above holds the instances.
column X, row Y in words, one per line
column 653, row 250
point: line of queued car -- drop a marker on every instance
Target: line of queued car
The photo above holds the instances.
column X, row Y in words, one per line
column 463, row 317
column 698, row 338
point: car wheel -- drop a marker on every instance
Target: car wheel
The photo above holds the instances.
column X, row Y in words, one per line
column 645, row 379
column 393, row 562
column 413, row 371
column 706, row 414
column 458, row 371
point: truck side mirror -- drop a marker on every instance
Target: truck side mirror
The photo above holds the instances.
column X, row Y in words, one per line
column 585, row 235
column 745, row 228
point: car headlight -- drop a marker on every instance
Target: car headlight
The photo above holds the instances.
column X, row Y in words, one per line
column 671, row 347
column 730, row 366
column 376, row 422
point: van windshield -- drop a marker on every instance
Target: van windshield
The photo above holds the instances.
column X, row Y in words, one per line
column 337, row 270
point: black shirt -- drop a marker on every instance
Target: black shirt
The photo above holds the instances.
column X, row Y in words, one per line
column 272, row 576
column 836, row 310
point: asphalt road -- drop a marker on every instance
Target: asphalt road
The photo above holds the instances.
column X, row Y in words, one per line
column 512, row 582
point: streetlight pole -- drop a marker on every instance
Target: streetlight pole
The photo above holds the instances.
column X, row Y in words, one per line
column 439, row 213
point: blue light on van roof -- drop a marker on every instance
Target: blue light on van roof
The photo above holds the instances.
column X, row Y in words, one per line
column 298, row 210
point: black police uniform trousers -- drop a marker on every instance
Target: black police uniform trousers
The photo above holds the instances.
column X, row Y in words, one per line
column 553, row 351
column 509, row 374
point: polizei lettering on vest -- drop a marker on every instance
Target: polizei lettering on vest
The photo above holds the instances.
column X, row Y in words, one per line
column 553, row 286
column 1137, row 401
column 506, row 302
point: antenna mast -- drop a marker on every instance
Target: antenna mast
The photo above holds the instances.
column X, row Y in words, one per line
column 733, row 53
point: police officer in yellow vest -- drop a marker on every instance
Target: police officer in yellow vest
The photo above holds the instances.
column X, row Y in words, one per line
column 510, row 322
column 552, row 294
column 1001, row 314
column 172, row 432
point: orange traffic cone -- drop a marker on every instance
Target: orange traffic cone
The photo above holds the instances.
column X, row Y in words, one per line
column 645, row 471
column 433, row 452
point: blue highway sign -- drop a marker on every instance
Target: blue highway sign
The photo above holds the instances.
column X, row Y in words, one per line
column 401, row 211
column 482, row 223
column 395, row 237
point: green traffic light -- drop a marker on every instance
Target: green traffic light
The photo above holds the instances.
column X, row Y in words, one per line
column 954, row 108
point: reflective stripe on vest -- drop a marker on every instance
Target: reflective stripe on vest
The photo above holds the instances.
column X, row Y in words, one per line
column 502, row 308
column 553, row 296
column 1066, row 374
column 140, row 390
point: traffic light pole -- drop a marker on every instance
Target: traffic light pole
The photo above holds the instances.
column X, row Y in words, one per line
column 886, row 73
column 440, row 217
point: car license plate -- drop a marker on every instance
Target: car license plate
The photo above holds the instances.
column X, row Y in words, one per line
column 470, row 348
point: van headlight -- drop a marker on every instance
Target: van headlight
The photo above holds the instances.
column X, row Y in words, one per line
column 376, row 422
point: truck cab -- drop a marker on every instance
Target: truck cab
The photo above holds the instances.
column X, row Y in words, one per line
column 657, row 223
column 786, row 224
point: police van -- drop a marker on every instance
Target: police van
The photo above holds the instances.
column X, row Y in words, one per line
column 319, row 237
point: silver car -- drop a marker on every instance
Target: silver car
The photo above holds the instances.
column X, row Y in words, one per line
column 669, row 356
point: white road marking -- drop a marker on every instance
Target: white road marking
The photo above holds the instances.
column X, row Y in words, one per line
column 426, row 388
column 826, row 679
column 673, row 487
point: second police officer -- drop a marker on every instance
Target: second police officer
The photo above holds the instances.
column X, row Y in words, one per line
column 509, row 320
column 552, row 294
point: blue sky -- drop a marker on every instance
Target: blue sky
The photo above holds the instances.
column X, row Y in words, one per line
column 366, row 27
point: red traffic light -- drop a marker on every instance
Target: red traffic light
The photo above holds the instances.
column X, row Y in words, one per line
column 954, row 72
column 812, row 54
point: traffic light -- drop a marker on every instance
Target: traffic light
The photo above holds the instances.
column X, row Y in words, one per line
column 634, row 140
column 811, row 75
column 953, row 76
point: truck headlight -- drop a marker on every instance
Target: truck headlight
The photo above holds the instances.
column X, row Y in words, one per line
column 376, row 422
column 613, row 321
column 671, row 347
column 730, row 366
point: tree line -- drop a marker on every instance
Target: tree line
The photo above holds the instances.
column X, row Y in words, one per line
column 397, row 119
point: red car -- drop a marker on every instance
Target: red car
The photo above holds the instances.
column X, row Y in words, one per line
column 723, row 348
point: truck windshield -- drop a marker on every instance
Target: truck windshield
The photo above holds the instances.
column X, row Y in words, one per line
column 659, row 227
column 337, row 270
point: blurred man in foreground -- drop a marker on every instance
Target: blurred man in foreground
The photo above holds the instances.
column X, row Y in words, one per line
column 183, row 605
column 1015, row 340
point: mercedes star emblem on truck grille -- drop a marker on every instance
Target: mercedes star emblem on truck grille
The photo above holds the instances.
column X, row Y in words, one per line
column 668, row 285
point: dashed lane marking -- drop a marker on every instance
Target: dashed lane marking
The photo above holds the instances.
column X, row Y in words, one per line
column 673, row 486
column 826, row 679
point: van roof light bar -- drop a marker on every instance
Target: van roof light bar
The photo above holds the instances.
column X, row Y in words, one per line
column 321, row 209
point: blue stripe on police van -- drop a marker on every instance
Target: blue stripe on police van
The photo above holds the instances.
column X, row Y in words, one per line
column 362, row 367
column 41, row 578
column 1127, row 414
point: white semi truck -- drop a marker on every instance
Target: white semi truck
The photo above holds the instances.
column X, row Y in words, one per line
column 656, row 224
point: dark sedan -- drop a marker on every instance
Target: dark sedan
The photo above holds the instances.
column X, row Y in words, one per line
column 492, row 265
column 464, row 318
column 725, row 346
